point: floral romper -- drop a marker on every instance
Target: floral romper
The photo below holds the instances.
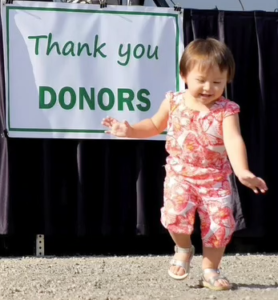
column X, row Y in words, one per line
column 197, row 172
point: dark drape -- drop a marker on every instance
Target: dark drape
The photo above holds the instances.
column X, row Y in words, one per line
column 104, row 188
column 266, row 115
column 245, row 90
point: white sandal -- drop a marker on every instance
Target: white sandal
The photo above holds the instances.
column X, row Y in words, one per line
column 210, row 283
column 182, row 264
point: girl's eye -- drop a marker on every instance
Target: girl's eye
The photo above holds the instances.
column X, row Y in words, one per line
column 216, row 82
column 200, row 80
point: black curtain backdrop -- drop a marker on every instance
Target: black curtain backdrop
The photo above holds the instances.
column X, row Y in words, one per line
column 101, row 188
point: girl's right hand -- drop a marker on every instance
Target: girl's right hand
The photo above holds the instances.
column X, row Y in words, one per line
column 116, row 128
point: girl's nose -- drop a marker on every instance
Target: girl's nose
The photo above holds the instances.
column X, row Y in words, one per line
column 207, row 86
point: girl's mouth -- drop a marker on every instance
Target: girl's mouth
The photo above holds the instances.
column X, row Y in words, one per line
column 206, row 95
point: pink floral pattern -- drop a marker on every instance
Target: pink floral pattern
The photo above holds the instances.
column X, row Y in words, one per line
column 197, row 172
column 195, row 139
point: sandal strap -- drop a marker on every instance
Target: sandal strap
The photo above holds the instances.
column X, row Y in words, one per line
column 184, row 250
column 207, row 271
column 214, row 279
column 183, row 264
column 179, row 263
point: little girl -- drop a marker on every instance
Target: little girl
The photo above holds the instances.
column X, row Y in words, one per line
column 203, row 131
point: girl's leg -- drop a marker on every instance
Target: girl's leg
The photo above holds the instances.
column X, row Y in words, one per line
column 211, row 260
column 178, row 216
column 212, row 257
column 218, row 225
column 182, row 241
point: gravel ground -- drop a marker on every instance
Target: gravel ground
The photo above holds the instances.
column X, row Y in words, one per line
column 132, row 278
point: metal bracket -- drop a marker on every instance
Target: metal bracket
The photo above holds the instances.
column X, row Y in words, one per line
column 40, row 245
column 177, row 8
column 102, row 3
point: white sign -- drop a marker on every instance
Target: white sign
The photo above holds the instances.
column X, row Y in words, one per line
column 70, row 65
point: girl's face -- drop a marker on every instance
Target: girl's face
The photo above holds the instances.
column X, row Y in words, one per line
column 206, row 86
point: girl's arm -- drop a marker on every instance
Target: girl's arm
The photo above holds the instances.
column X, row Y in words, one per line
column 237, row 154
column 144, row 129
column 153, row 126
column 234, row 144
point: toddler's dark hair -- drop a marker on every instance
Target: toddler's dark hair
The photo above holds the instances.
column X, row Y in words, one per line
column 207, row 53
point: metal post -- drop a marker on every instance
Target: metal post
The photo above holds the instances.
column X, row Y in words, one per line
column 40, row 245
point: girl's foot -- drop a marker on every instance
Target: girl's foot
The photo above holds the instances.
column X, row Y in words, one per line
column 214, row 281
column 180, row 264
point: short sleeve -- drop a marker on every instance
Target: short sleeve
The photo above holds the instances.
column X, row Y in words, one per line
column 231, row 108
column 173, row 98
column 169, row 95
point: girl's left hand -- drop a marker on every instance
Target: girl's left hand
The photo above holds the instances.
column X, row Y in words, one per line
column 256, row 184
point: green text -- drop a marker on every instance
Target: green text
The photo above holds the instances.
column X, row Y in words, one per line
column 68, row 98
